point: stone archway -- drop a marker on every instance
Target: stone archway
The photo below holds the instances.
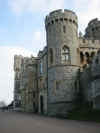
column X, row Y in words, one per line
column 81, row 57
column 87, row 58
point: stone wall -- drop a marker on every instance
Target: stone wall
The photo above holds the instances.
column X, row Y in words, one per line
column 42, row 81
column 63, row 60
column 28, row 86
column 90, row 83
column 50, row 83
column 17, row 81
column 62, row 89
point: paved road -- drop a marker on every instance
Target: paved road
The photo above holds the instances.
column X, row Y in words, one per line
column 28, row 123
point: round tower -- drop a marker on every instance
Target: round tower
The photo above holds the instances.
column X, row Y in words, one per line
column 63, row 60
column 93, row 30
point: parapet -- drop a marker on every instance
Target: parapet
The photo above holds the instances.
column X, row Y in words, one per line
column 61, row 15
column 89, row 43
column 17, row 62
column 93, row 21
column 20, row 60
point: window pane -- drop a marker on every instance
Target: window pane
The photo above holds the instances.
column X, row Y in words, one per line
column 41, row 68
column 65, row 53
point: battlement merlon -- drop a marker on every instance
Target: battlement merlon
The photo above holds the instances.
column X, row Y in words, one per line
column 59, row 15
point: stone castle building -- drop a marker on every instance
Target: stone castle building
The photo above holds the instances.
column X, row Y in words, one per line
column 51, row 82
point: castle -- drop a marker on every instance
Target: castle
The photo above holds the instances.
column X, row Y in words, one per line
column 66, row 70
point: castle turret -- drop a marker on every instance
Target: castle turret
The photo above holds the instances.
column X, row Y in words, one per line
column 63, row 60
column 93, row 30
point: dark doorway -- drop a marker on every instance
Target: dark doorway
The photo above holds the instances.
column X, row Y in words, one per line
column 41, row 104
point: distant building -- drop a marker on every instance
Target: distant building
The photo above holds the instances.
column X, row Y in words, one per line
column 51, row 82
column 17, row 81
column 2, row 104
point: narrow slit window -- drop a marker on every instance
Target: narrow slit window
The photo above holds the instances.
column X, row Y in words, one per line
column 64, row 29
column 51, row 55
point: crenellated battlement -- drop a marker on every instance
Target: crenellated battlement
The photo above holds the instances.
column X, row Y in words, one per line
column 94, row 22
column 60, row 11
column 88, row 49
column 89, row 43
column 61, row 16
column 17, row 62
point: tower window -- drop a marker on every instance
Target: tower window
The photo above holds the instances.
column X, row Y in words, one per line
column 56, row 20
column 64, row 29
column 74, row 21
column 92, row 54
column 51, row 55
column 52, row 22
column 61, row 19
column 33, row 94
column 70, row 20
column 65, row 19
column 41, row 68
column 92, row 29
column 65, row 53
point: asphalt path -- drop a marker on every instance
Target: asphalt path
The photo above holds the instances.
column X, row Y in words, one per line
column 12, row 122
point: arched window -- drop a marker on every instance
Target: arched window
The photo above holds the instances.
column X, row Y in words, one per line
column 87, row 57
column 92, row 54
column 65, row 53
column 51, row 55
column 81, row 57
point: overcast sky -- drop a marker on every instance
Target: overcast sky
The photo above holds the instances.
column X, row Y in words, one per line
column 22, row 31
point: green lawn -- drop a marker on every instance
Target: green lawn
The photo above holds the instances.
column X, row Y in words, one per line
column 85, row 115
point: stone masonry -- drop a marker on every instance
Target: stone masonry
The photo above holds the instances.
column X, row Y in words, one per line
column 51, row 82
